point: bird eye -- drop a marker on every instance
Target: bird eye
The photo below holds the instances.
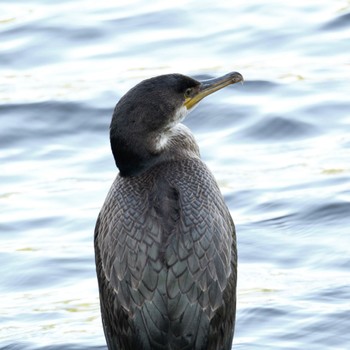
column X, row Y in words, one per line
column 188, row 92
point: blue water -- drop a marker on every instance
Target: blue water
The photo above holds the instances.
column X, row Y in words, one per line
column 279, row 147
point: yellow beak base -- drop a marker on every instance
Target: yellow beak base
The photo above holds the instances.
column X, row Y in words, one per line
column 207, row 87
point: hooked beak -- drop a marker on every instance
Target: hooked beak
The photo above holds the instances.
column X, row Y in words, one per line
column 207, row 87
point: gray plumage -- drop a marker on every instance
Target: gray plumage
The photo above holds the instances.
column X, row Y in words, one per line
column 165, row 242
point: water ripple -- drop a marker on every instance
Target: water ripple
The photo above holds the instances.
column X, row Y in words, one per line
column 278, row 146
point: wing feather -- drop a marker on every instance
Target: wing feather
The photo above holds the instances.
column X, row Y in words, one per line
column 166, row 260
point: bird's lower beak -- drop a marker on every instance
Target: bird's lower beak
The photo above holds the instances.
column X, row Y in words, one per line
column 207, row 87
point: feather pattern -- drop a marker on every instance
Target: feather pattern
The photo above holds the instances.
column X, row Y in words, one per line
column 166, row 260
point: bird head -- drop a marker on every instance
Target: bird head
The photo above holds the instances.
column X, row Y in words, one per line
column 146, row 120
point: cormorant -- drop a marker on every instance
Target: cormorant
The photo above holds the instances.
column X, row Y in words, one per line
column 165, row 244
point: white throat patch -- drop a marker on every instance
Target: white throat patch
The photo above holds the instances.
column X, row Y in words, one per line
column 163, row 139
column 180, row 115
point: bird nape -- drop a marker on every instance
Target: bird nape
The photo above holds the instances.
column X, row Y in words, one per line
column 165, row 244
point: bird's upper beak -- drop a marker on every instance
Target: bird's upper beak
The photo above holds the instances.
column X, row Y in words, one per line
column 207, row 87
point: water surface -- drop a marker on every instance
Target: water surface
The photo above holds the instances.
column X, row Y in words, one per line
column 279, row 147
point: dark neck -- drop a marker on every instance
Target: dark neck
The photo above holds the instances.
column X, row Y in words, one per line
column 134, row 154
column 131, row 161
